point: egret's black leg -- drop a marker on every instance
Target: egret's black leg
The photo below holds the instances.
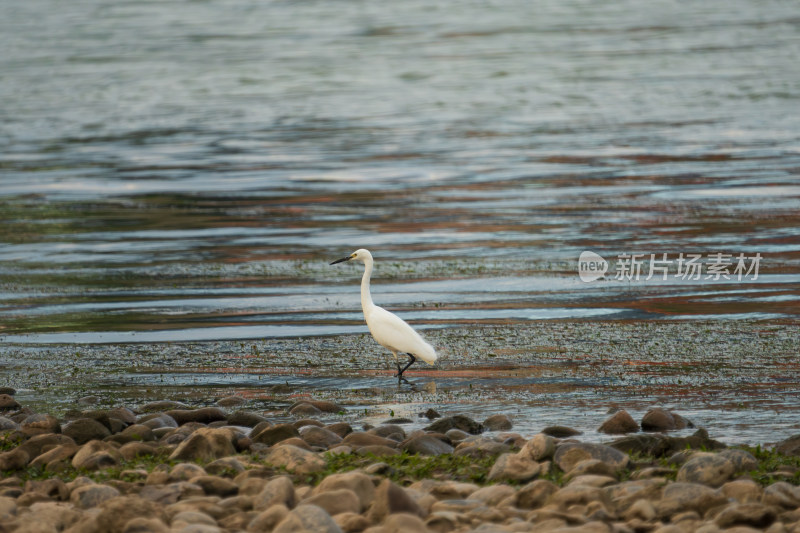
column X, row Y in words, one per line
column 410, row 362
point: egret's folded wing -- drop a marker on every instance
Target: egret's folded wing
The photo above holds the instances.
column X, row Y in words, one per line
column 395, row 334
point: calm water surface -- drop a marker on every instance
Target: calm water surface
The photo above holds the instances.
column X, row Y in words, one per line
column 184, row 171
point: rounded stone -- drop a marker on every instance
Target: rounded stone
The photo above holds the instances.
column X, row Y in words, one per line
column 560, row 432
column 278, row 490
column 319, row 436
column 308, row 518
column 245, row 418
column 498, row 422
column 336, row 501
column 426, row 445
column 268, row 518
column 342, row 429
column 390, row 499
column 514, row 467
column 571, row 453
column 540, row 447
column 8, row 403
column 304, row 409
column 273, row 434
column 357, row 482
column 707, row 469
column 619, row 423
column 464, row 423
column 205, row 444
column 38, row 424
column 535, row 494
column 7, row 424
column 185, row 471
column 84, row 430
column 231, row 401
column 92, row 495
column 753, row 515
column 790, row 446
column 658, row 419
column 204, row 415
column 296, row 460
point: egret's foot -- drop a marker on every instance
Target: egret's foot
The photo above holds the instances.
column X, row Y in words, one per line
column 411, row 361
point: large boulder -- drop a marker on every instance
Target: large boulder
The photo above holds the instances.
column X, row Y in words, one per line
column 658, row 419
column 391, row 499
column 92, row 495
column 569, row 454
column 245, row 418
column 321, row 405
column 754, row 515
column 619, row 423
column 336, row 501
column 116, row 512
column 296, row 460
column 307, row 519
column 426, row 445
column 498, row 422
column 359, row 440
column 464, row 423
column 95, row 455
column 83, row 430
column 540, row 447
column 681, row 497
column 8, row 403
column 39, row 424
column 357, row 482
column 319, row 437
column 790, row 446
column 54, row 456
column 273, row 434
column 708, row 469
column 278, row 490
column 664, row 446
column 535, row 494
column 514, row 467
column 205, row 444
column 204, row 415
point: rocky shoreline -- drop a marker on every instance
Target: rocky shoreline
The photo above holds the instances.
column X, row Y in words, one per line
column 166, row 467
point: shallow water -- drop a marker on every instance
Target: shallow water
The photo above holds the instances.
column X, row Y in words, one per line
column 184, row 172
column 739, row 380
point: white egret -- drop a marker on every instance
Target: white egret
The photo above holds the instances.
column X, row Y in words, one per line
column 388, row 329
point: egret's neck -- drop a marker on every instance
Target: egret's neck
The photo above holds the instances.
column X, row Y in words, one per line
column 366, row 298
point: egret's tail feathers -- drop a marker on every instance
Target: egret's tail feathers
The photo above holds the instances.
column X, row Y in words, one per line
column 427, row 354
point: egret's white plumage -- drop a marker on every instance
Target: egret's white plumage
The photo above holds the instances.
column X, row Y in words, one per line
column 388, row 329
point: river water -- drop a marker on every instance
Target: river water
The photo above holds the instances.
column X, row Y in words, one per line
column 182, row 172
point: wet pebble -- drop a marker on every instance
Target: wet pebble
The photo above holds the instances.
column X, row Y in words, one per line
column 426, row 445
column 273, row 434
column 560, row 432
column 8, row 403
column 619, row 423
column 464, row 423
column 498, row 422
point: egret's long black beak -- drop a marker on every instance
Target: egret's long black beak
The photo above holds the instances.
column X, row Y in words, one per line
column 342, row 260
